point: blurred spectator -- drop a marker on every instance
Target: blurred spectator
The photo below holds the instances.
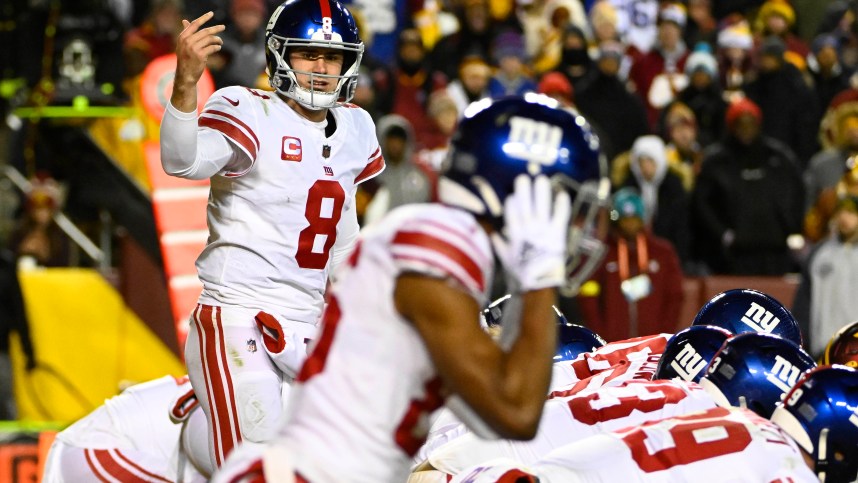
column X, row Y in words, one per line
column 722, row 9
column 777, row 18
column 604, row 99
column 558, row 87
column 512, row 76
column 403, row 181
column 365, row 93
column 444, row 117
column 829, row 77
column 684, row 152
column 704, row 96
column 841, row 129
column 474, row 38
column 155, row 37
column 702, row 25
column 659, row 75
column 664, row 198
column 408, row 87
column 747, row 199
column 13, row 318
column 472, row 83
column 817, row 220
column 825, row 300
column 559, row 16
column 838, row 20
column 734, row 55
column 636, row 23
column 575, row 62
column 38, row 240
column 637, row 289
column 603, row 22
column 241, row 60
column 788, row 104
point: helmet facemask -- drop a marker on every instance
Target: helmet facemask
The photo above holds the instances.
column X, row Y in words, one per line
column 587, row 230
column 284, row 80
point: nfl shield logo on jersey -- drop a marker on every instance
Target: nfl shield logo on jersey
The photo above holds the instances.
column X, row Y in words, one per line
column 251, row 345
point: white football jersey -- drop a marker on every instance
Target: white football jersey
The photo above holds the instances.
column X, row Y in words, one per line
column 138, row 418
column 718, row 445
column 360, row 407
column 274, row 220
column 571, row 418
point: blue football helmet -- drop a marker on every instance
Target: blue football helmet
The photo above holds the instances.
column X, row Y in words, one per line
column 755, row 370
column 312, row 23
column 572, row 339
column 746, row 310
column 689, row 351
column 499, row 139
column 821, row 415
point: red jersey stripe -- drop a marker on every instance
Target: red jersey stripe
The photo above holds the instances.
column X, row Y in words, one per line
column 434, row 263
column 231, row 132
column 238, row 122
column 461, row 237
column 108, row 468
column 371, row 169
column 140, row 469
column 444, row 248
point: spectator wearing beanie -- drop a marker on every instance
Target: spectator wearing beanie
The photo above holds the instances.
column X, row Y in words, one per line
column 733, row 53
column 637, row 289
column 704, row 95
column 747, row 199
column 512, row 76
column 826, row 70
column 787, row 103
column 777, row 18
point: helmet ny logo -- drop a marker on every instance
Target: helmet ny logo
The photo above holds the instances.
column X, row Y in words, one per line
column 688, row 363
column 536, row 142
column 783, row 374
column 760, row 319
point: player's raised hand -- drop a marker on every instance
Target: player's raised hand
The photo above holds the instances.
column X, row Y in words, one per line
column 193, row 48
column 537, row 223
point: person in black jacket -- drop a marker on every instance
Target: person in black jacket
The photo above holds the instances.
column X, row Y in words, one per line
column 747, row 199
column 13, row 318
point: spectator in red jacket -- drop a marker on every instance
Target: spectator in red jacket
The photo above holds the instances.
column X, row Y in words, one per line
column 638, row 288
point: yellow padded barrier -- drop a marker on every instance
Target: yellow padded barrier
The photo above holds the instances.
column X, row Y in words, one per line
column 88, row 345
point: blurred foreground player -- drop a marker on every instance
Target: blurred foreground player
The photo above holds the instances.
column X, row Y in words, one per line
column 406, row 335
